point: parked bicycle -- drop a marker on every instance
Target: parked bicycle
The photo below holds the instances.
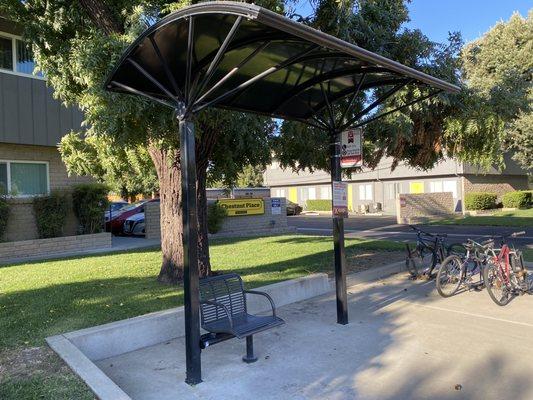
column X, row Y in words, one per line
column 430, row 250
column 463, row 269
column 505, row 275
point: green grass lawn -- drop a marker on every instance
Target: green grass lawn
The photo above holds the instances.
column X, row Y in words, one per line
column 516, row 218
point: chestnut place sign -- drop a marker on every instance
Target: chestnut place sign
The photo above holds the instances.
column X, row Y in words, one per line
column 238, row 207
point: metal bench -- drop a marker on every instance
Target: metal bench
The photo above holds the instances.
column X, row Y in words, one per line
column 224, row 313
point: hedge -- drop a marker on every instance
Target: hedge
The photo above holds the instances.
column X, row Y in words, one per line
column 4, row 213
column 480, row 201
column 215, row 216
column 318, row 205
column 90, row 202
column 50, row 214
column 518, row 199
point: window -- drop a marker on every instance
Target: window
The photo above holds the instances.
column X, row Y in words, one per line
column 450, row 186
column 435, row 187
column 25, row 63
column 312, row 193
column 365, row 192
column 6, row 53
column 16, row 55
column 24, row 178
column 278, row 192
column 325, row 192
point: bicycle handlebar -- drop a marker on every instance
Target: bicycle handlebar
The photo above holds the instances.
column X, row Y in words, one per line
column 420, row 231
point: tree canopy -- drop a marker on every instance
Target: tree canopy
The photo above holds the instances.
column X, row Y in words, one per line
column 498, row 68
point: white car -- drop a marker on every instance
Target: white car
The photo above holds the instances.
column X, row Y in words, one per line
column 134, row 225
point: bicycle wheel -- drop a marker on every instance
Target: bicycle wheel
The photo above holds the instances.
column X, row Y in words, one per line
column 498, row 290
column 450, row 276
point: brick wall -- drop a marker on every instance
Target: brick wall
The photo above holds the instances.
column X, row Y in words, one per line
column 21, row 222
column 495, row 184
column 152, row 225
column 33, row 249
column 411, row 208
column 250, row 225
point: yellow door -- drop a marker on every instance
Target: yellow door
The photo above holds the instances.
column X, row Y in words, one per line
column 350, row 198
column 293, row 195
column 416, row 187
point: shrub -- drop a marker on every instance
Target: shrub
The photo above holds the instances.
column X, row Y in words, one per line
column 90, row 202
column 480, row 201
column 4, row 214
column 518, row 199
column 215, row 216
column 50, row 214
column 318, row 205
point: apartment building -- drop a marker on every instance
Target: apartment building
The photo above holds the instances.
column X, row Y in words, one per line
column 380, row 187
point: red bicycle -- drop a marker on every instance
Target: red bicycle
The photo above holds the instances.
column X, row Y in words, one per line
column 505, row 275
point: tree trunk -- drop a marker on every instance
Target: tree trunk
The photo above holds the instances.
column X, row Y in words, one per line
column 167, row 164
column 204, row 264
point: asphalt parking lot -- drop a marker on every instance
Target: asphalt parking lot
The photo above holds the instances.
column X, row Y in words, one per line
column 403, row 342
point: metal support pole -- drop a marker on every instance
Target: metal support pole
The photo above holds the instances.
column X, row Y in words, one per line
column 190, row 253
column 338, row 235
column 250, row 357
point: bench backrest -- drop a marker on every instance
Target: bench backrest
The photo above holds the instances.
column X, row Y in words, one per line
column 226, row 289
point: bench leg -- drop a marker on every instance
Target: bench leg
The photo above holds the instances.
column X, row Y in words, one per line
column 249, row 358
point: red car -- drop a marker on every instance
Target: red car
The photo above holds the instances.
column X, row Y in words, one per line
column 116, row 224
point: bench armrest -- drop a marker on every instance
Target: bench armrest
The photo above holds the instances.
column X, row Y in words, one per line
column 220, row 305
column 264, row 295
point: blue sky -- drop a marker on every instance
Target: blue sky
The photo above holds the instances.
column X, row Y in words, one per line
column 471, row 17
column 438, row 17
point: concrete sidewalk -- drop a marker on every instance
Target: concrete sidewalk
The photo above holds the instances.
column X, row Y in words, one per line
column 403, row 342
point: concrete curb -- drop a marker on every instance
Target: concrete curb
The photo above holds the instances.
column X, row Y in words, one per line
column 98, row 382
column 80, row 349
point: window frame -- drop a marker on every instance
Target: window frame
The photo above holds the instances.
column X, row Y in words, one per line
column 366, row 192
column 14, row 52
column 25, row 196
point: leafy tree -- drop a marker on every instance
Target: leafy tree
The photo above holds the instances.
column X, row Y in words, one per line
column 419, row 135
column 251, row 176
column 128, row 171
column 76, row 43
column 498, row 68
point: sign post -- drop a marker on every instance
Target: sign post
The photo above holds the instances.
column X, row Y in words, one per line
column 338, row 190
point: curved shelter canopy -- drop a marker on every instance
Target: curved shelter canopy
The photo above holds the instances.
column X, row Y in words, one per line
column 243, row 57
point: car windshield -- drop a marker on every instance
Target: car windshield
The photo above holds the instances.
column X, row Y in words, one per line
column 118, row 206
column 133, row 206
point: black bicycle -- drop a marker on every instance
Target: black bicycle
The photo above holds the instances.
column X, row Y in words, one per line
column 463, row 269
column 430, row 250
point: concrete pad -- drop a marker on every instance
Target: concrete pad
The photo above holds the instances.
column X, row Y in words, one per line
column 403, row 342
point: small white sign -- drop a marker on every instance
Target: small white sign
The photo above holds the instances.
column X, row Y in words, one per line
column 351, row 149
column 340, row 199
column 276, row 206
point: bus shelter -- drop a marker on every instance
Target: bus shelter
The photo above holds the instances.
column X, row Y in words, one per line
column 242, row 57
